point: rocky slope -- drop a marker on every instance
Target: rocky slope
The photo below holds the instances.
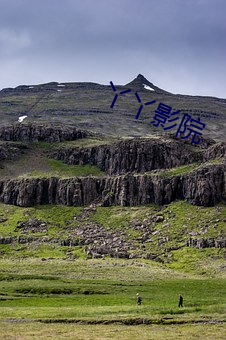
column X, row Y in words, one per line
column 152, row 236
column 204, row 186
column 39, row 132
column 131, row 155
column 134, row 171
column 141, row 155
column 11, row 150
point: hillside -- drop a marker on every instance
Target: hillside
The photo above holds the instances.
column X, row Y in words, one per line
column 74, row 150
column 87, row 106
column 96, row 206
column 138, row 184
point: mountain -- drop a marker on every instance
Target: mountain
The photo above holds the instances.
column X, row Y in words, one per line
column 140, row 83
column 121, row 187
column 88, row 106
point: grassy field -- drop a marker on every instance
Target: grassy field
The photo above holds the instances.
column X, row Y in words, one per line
column 52, row 291
column 110, row 332
column 96, row 299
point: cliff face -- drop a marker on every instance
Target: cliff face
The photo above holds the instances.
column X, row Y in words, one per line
column 10, row 151
column 131, row 155
column 125, row 163
column 216, row 150
column 202, row 187
column 35, row 133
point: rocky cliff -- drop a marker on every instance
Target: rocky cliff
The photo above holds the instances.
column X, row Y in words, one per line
column 133, row 166
column 214, row 151
column 37, row 132
column 139, row 155
column 204, row 186
column 11, row 150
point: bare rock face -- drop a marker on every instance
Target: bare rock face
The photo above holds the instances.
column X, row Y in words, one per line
column 218, row 242
column 32, row 225
column 202, row 187
column 9, row 151
column 131, row 155
column 216, row 150
column 35, row 133
column 206, row 186
column 127, row 164
column 203, row 144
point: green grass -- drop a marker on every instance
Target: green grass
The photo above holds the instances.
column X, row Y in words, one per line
column 66, row 290
column 13, row 215
column 179, row 170
column 87, row 142
column 60, row 169
column 55, row 216
column 52, row 298
column 36, row 162
column 119, row 217
column 203, row 261
column 36, row 331
column 183, row 169
column 181, row 221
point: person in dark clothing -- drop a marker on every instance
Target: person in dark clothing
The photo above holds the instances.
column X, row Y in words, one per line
column 180, row 301
column 139, row 299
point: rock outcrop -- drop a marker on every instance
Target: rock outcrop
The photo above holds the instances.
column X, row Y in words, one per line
column 133, row 167
column 214, row 151
column 11, row 151
column 139, row 155
column 218, row 242
column 204, row 186
column 35, row 133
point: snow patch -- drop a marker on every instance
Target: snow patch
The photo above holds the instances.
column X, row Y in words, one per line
column 59, row 90
column 21, row 118
column 61, row 85
column 31, row 87
column 148, row 87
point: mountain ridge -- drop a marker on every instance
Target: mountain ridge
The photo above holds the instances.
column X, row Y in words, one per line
column 138, row 84
column 88, row 106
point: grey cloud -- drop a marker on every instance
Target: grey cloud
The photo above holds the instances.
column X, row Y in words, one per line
column 178, row 44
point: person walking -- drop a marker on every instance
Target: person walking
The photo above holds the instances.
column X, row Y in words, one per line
column 139, row 299
column 180, row 301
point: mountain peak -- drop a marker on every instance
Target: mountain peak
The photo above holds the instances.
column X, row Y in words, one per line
column 140, row 83
column 141, row 77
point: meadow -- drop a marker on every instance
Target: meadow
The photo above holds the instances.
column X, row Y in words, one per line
column 96, row 299
column 50, row 291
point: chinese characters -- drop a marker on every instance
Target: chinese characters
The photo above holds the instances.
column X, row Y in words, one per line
column 168, row 119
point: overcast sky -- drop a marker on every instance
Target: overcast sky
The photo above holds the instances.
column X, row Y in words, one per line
column 179, row 45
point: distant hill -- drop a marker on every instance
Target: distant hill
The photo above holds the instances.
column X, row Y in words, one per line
column 87, row 106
